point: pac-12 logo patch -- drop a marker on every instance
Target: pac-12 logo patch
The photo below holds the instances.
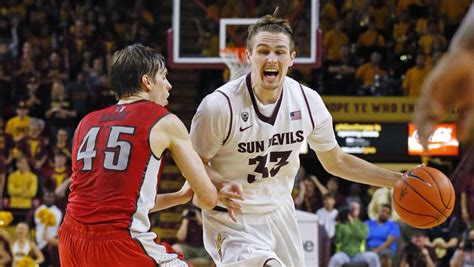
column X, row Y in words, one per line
column 244, row 115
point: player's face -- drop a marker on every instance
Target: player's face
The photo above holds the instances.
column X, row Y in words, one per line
column 270, row 59
column 160, row 88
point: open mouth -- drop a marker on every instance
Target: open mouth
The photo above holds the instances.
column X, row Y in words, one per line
column 270, row 73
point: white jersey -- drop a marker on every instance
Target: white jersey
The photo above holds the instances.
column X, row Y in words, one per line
column 260, row 151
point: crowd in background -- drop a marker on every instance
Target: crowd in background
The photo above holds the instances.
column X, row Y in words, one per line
column 53, row 70
column 370, row 47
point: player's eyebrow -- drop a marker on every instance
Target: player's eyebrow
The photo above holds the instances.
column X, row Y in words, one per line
column 267, row 46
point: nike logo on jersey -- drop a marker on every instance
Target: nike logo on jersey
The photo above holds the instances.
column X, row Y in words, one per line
column 243, row 129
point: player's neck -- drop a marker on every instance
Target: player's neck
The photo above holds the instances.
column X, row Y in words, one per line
column 266, row 96
column 132, row 98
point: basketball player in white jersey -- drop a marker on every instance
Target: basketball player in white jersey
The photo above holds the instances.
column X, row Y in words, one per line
column 249, row 131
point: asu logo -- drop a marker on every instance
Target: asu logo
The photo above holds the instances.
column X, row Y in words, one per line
column 219, row 241
column 403, row 193
column 244, row 115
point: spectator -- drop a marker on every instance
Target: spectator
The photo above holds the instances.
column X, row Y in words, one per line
column 56, row 70
column 464, row 255
column 403, row 5
column 22, row 187
column 329, row 15
column 370, row 40
column 381, row 14
column 33, row 146
column 341, row 74
column 415, row 76
column 354, row 194
column 60, row 112
column 444, row 239
column 6, row 146
column 417, row 253
column 381, row 196
column 427, row 40
column 368, row 72
column 62, row 145
column 350, row 236
column 307, row 198
column 327, row 215
column 334, row 40
column 401, row 34
column 33, row 99
column 383, row 235
column 332, row 187
column 58, row 172
column 421, row 27
column 47, row 229
column 190, row 237
column 17, row 126
column 81, row 94
column 23, row 247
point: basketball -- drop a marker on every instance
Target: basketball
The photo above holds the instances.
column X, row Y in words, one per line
column 424, row 197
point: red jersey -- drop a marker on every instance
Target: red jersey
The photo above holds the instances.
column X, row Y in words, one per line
column 115, row 175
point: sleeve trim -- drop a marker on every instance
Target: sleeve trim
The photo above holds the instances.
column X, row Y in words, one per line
column 231, row 116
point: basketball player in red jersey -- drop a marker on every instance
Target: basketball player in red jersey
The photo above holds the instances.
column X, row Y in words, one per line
column 117, row 158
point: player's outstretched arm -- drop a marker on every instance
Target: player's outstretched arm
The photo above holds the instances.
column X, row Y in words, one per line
column 171, row 134
column 341, row 164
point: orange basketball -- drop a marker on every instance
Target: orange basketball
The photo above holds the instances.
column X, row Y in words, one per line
column 424, row 197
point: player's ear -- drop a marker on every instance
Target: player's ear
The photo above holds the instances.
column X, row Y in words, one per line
column 292, row 56
column 247, row 54
column 146, row 82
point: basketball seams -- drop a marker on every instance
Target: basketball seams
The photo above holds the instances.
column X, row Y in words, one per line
column 418, row 214
column 439, row 189
column 420, row 195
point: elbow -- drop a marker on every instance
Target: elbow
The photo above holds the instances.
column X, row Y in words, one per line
column 332, row 166
column 208, row 201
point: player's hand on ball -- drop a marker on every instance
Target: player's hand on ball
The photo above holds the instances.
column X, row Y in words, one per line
column 229, row 195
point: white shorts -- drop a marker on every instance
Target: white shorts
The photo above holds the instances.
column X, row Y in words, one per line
column 255, row 239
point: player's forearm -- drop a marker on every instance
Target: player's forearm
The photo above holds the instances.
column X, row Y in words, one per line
column 216, row 178
column 168, row 200
column 367, row 173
